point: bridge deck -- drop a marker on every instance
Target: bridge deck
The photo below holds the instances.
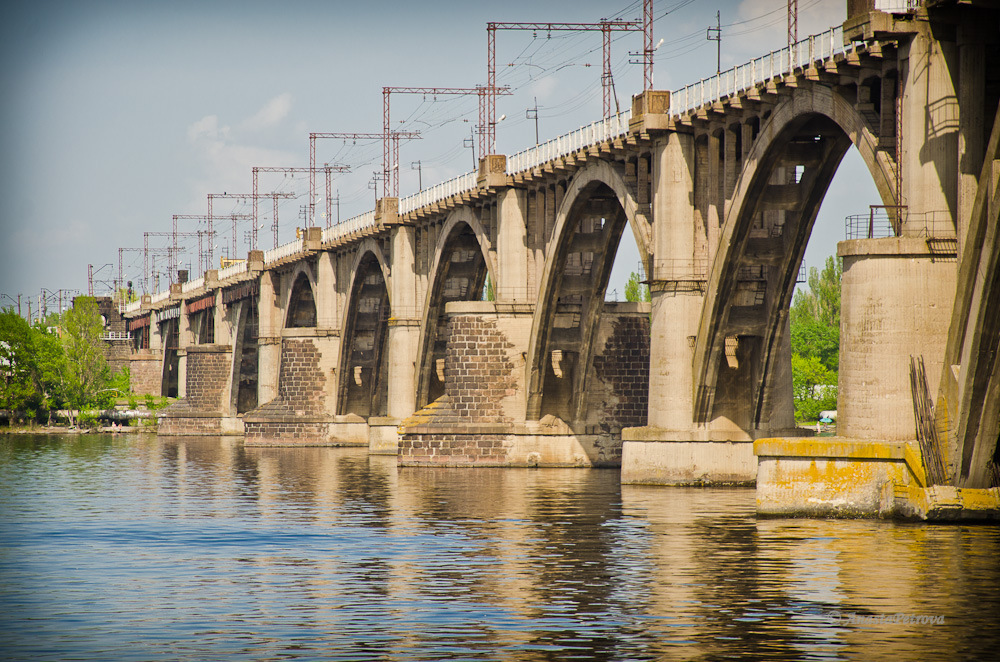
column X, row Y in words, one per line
column 772, row 68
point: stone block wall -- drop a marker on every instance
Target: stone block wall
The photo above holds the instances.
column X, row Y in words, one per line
column 467, row 424
column 209, row 369
column 301, row 382
column 146, row 372
column 623, row 367
column 302, row 412
column 118, row 354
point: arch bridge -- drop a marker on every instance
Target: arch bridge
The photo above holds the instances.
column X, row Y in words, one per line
column 467, row 324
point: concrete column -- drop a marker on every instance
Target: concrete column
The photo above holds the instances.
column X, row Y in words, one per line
column 930, row 127
column 971, row 127
column 270, row 319
column 676, row 302
column 891, row 308
column 404, row 325
column 155, row 335
column 224, row 333
column 671, row 450
column 714, row 188
column 512, row 246
column 327, row 311
column 185, row 338
column 731, row 167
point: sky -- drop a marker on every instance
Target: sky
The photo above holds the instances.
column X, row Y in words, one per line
column 117, row 115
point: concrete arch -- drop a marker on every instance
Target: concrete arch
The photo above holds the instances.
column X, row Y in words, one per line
column 811, row 112
column 433, row 306
column 361, row 378
column 585, row 182
column 301, row 270
column 364, row 247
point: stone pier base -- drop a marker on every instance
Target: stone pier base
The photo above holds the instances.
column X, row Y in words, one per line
column 383, row 436
column 274, row 425
column 839, row 477
column 657, row 456
column 519, row 445
column 181, row 420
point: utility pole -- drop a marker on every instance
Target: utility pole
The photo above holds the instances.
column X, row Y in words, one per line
column 390, row 145
column 207, row 255
column 415, row 165
column 239, row 196
column 605, row 26
column 391, row 161
column 793, row 22
column 717, row 39
column 327, row 168
column 532, row 114
column 373, row 183
column 470, row 142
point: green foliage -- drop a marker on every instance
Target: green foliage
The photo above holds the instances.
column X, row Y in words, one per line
column 87, row 372
column 488, row 292
column 635, row 290
column 16, row 369
column 87, row 419
column 815, row 327
column 814, row 387
column 41, row 371
column 50, row 368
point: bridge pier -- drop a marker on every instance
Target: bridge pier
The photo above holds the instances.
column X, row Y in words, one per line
column 481, row 419
column 401, row 344
column 206, row 364
column 896, row 301
column 671, row 449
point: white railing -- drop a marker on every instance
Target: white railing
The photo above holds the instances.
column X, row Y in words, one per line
column 568, row 143
column 438, row 192
column 116, row 335
column 803, row 53
column 160, row 296
column 232, row 270
column 351, row 225
column 896, row 6
column 275, row 254
column 192, row 285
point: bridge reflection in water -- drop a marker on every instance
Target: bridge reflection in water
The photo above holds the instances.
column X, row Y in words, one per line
column 150, row 548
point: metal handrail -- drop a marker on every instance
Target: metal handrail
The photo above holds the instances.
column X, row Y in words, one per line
column 801, row 54
column 585, row 136
column 193, row 284
column 232, row 270
column 275, row 254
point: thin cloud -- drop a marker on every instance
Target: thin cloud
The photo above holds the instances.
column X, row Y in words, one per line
column 270, row 114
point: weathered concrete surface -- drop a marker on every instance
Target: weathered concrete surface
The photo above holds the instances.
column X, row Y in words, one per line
column 896, row 299
column 837, row 477
column 659, row 462
column 832, row 477
column 383, row 435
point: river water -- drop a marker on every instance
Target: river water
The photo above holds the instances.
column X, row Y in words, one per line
column 136, row 547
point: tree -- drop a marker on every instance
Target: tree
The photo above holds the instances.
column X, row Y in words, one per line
column 814, row 388
column 49, row 369
column 17, row 387
column 815, row 324
column 635, row 290
column 87, row 372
